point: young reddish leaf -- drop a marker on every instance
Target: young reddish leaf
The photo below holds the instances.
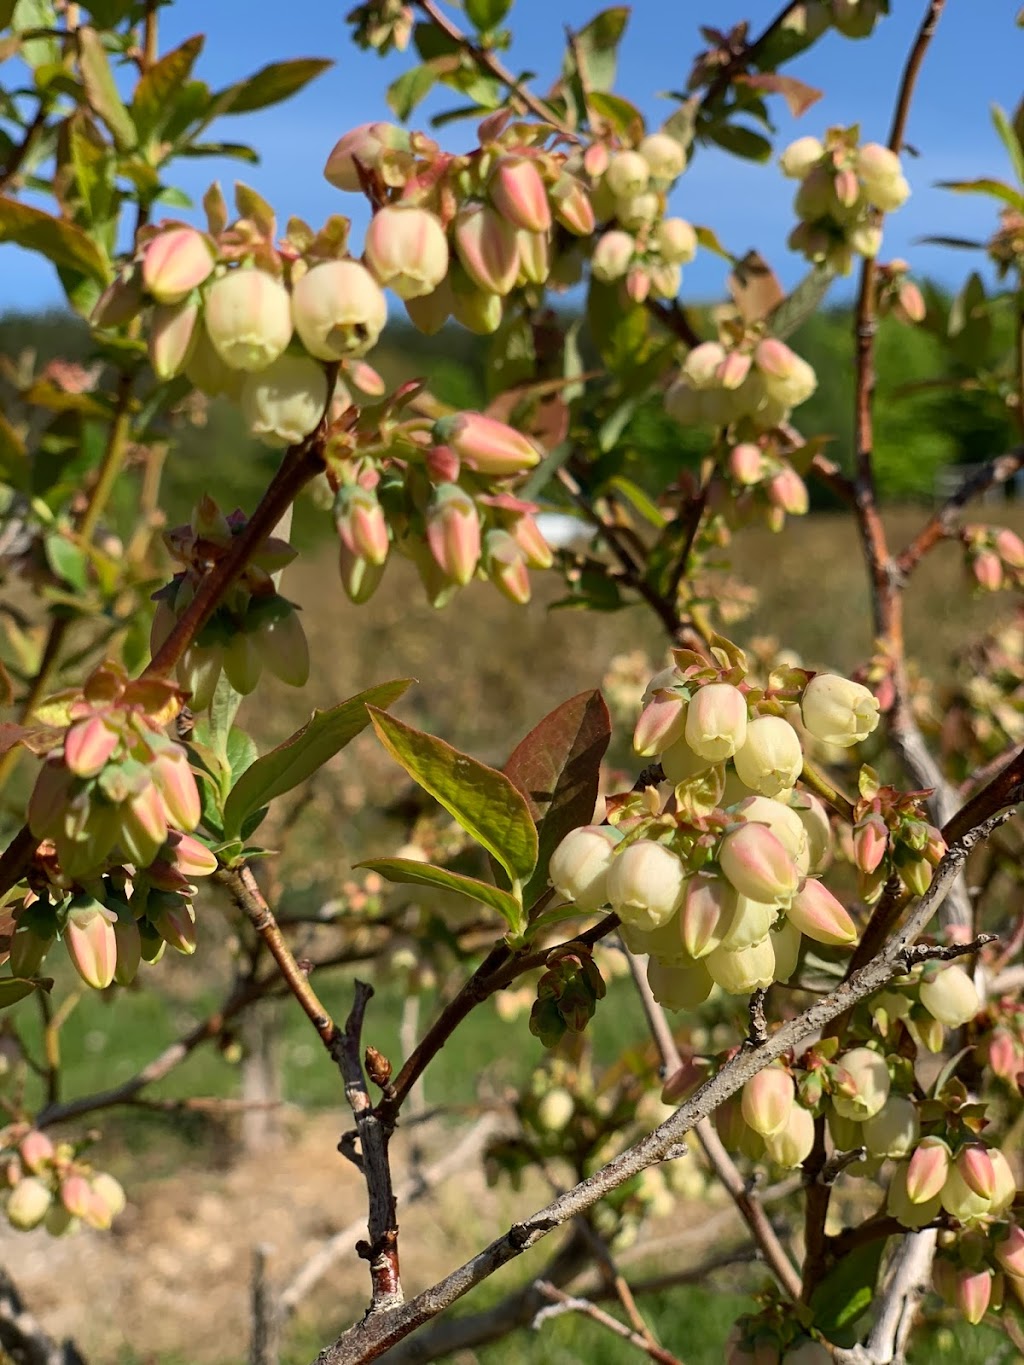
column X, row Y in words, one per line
column 556, row 767
column 324, row 734
column 755, row 287
column 413, row 873
column 798, row 95
column 484, row 801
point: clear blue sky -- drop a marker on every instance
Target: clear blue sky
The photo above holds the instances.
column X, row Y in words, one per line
column 977, row 58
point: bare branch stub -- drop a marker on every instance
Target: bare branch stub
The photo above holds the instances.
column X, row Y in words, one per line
column 758, row 1034
column 381, row 1248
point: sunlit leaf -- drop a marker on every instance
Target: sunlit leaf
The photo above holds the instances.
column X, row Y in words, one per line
column 101, row 89
column 412, row 873
column 60, row 241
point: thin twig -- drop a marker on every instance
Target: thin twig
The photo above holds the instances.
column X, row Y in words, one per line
column 567, row 1303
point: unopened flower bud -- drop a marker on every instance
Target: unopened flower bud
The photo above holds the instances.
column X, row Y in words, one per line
column 909, row 1213
column 756, row 863
column 960, row 1201
column 637, row 211
column 870, row 842
column 248, row 318
column 679, row 987
column 767, row 1099
column 787, row 491
column 707, row 912
column 951, row 997
column 175, row 922
column 716, row 721
column 882, row 176
column 800, row 157
column 27, row 1203
column 1004, row 1191
column 865, row 1086
column 406, row 250
column 518, row 191
column 579, row 866
column 88, row 745
column 987, row 568
column 746, row 464
column 487, row 248
column 174, row 330
column 664, row 155
column 36, row 1151
column 339, row 310
column 572, row 206
column 109, row 1190
column 770, row 759
column 627, row 175
column 1010, row 548
column 973, row 1293
column 612, row 256
column 910, row 306
column 127, row 947
column 746, row 970
column 1010, row 1251
column 505, row 565
column 866, row 240
column 534, row 257
column 530, row 539
column 894, row 1130
column 975, row 1166
column 819, row 915
column 453, row 532
column 174, row 263
column 486, row 445
column 91, row 943
column 838, row 711
column 661, row 724
column 646, row 884
column 786, row 376
column 361, row 523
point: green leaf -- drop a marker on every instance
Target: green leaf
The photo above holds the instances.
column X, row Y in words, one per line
column 409, row 89
column 995, row 189
column 223, row 710
column 1011, row 141
column 324, row 734
column 430, row 41
column 619, row 332
column 61, row 242
column 270, row 85
column 101, row 89
column 160, row 89
column 639, row 500
column 624, row 118
column 15, row 988
column 484, row 801
column 708, row 239
column 597, row 46
column 740, row 141
column 68, row 562
column 487, row 14
column 240, row 151
column 412, row 873
column 847, row 1290
column 556, row 767
column 797, row 306
column 14, row 468
column 6, row 12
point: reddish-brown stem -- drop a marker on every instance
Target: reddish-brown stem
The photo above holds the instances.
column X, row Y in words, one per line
column 941, row 524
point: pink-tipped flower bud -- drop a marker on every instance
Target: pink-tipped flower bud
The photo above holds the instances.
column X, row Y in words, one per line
column 1010, row 548
column 960, row 1201
column 1010, row 1251
column 506, row 567
column 572, row 206
column 361, row 523
column 800, row 157
column 786, row 376
column 638, row 284
column 76, row 1195
column 746, row 464
column 909, row 305
column 174, row 330
column 733, row 370
column 783, row 822
column 975, row 1166
column 882, row 176
column 487, row 248
column 518, row 192
column 845, row 188
column 770, row 759
column 485, row 445
column 530, row 539
column 88, row 746
column 665, row 157
column 756, row 863
column 865, row 1086
column 951, row 997
column 36, row 1151
column 744, row 970
column 453, row 532
column 283, row 403
column 787, row 491
column 789, row 1148
column 580, row 864
column 870, row 843
column 838, row 711
column 1003, row 1055
column 628, row 174
column 406, row 249
column 27, row 1204
column 612, row 256
column 534, row 257
column 338, row 310
column 716, row 721
column 174, row 263
column 110, row 1192
column 909, row 1213
column 894, row 1130
column 91, row 943
column 248, row 319
column 819, row 915
column 707, row 911
column 128, row 948
column 143, row 825
column 646, row 884
column 987, row 568
column 661, row 723
column 175, row 922
column 767, row 1099
column 176, row 783
column 974, row 1293
column 366, row 146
